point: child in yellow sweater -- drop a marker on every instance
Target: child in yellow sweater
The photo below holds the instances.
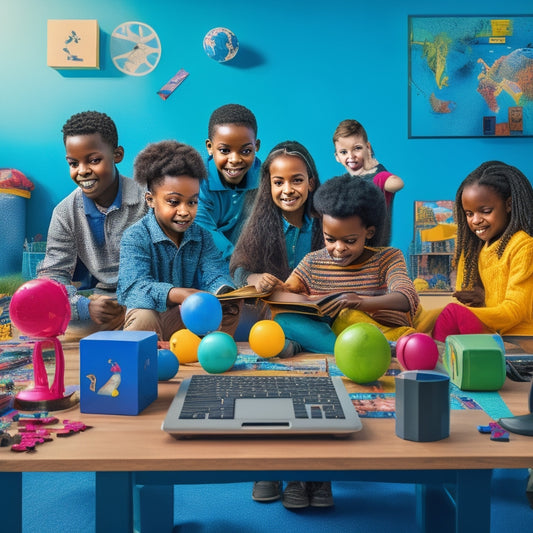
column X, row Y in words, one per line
column 494, row 255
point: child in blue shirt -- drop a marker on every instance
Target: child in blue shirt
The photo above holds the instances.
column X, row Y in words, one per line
column 86, row 227
column 227, row 195
column 166, row 256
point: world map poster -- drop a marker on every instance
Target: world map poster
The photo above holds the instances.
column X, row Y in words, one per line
column 470, row 76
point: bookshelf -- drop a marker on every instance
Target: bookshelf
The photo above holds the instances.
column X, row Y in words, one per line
column 432, row 249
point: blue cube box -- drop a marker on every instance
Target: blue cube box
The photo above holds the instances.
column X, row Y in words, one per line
column 118, row 372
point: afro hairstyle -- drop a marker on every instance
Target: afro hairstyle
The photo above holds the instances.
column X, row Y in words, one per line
column 345, row 196
column 167, row 158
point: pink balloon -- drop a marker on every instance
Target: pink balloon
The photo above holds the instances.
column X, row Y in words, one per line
column 40, row 308
column 417, row 351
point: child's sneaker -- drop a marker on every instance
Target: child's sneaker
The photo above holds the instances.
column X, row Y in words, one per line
column 290, row 349
column 266, row 491
column 320, row 493
column 295, row 495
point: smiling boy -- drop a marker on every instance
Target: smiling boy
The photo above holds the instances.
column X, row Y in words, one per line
column 86, row 227
column 165, row 257
column 227, row 195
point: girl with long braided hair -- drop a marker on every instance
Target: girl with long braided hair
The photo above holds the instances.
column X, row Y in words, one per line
column 494, row 255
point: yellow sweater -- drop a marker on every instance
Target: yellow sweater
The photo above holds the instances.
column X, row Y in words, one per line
column 508, row 284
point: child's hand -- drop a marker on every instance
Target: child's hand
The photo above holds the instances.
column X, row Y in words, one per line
column 346, row 300
column 105, row 310
column 265, row 282
column 471, row 298
column 176, row 295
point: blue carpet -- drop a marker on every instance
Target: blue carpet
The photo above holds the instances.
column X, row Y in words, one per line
column 65, row 502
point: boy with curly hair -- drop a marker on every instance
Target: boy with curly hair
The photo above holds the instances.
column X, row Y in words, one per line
column 86, row 227
column 166, row 256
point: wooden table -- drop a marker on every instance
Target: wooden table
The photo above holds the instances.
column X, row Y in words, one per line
column 136, row 463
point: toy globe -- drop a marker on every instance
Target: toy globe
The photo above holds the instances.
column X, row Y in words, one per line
column 417, row 351
column 167, row 365
column 221, row 44
column 201, row 313
column 40, row 308
column 362, row 352
column 184, row 344
column 266, row 338
column 217, row 352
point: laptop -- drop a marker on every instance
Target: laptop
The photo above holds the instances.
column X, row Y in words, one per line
column 246, row 405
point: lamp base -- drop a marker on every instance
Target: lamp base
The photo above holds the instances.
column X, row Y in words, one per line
column 522, row 425
column 56, row 404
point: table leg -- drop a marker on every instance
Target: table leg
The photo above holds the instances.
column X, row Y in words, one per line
column 473, row 500
column 464, row 510
column 113, row 505
column 11, row 502
column 153, row 508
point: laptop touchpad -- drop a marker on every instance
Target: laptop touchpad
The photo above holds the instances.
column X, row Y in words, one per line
column 263, row 408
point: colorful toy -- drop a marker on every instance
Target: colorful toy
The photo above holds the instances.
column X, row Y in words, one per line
column 40, row 308
column 118, row 372
column 417, row 351
column 201, row 312
column 184, row 344
column 217, row 352
column 362, row 352
column 266, row 338
column 167, row 365
column 475, row 362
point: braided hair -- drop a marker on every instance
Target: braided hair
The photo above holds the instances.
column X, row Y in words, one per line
column 507, row 182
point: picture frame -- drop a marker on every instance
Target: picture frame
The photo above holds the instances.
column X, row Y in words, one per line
column 470, row 76
column 73, row 44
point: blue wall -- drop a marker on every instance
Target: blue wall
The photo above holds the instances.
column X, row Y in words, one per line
column 302, row 68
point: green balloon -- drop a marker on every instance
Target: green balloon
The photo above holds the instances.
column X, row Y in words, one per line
column 362, row 352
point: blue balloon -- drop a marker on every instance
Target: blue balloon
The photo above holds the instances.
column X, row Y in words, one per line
column 167, row 365
column 217, row 352
column 201, row 313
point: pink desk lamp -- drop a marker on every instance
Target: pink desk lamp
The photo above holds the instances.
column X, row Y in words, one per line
column 40, row 309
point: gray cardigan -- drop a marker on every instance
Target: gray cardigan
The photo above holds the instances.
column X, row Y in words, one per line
column 70, row 237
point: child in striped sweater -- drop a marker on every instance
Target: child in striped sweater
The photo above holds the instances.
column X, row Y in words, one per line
column 372, row 282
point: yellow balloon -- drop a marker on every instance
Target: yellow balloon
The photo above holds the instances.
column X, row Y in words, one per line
column 184, row 345
column 266, row 338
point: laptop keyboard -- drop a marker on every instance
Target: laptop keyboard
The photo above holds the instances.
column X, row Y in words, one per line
column 213, row 396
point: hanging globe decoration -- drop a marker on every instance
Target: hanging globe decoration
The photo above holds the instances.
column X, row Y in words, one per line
column 221, row 44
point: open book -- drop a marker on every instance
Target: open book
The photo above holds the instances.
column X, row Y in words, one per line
column 290, row 302
column 285, row 301
column 321, row 305
column 247, row 292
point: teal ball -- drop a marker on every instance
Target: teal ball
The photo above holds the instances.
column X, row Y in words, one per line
column 221, row 44
column 167, row 365
column 362, row 352
column 217, row 352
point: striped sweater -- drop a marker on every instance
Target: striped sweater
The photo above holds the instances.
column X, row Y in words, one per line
column 384, row 272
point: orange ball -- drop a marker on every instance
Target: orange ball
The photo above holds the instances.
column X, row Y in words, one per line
column 266, row 338
column 184, row 345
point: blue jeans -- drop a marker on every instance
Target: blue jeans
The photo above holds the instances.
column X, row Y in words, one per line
column 314, row 335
